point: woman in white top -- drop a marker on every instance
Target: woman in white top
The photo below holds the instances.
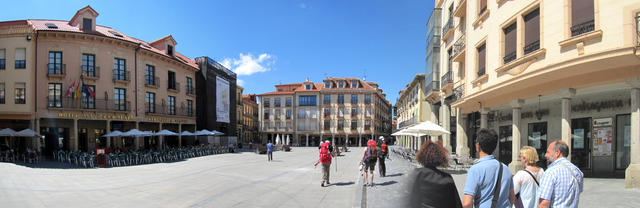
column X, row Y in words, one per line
column 527, row 181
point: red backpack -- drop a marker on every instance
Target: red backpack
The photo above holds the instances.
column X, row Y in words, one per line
column 325, row 155
column 370, row 155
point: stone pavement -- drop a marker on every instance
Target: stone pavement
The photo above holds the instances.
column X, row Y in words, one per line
column 226, row 180
column 388, row 190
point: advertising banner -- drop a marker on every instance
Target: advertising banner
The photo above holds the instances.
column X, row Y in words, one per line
column 223, row 102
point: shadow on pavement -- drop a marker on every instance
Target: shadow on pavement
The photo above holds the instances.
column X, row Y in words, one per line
column 394, row 175
column 343, row 183
column 54, row 164
column 386, row 183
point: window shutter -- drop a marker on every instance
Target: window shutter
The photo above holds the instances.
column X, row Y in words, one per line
column 2, row 54
column 581, row 11
column 532, row 27
column 20, row 54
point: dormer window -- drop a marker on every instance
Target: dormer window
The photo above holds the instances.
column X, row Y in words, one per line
column 307, row 86
column 327, row 85
column 354, row 84
column 340, row 84
column 170, row 50
column 86, row 24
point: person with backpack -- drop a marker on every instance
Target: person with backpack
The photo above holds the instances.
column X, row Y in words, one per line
column 382, row 154
column 369, row 159
column 526, row 182
column 325, row 159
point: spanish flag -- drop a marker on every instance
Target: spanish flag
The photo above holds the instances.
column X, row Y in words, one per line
column 77, row 92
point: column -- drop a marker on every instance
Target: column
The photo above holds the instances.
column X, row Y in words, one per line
column 37, row 129
column 483, row 117
column 515, row 164
column 461, row 135
column 180, row 136
column 108, row 131
column 137, row 138
column 565, row 133
column 307, row 140
column 360, row 140
column 632, row 174
column 74, row 142
column 161, row 138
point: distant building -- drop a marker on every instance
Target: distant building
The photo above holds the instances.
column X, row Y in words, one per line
column 239, row 111
column 250, row 119
column 216, row 90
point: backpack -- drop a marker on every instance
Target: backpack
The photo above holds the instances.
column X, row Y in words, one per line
column 325, row 155
column 370, row 155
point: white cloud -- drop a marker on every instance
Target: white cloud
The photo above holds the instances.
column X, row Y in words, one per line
column 247, row 64
column 240, row 82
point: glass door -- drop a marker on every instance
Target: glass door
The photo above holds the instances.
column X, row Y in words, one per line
column 537, row 138
column 623, row 141
column 581, row 142
column 505, row 146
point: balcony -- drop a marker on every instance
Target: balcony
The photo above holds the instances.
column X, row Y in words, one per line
column 152, row 82
column 461, row 10
column 90, row 72
column 582, row 28
column 458, row 92
column 56, row 70
column 446, row 81
column 121, row 76
column 447, row 30
column 459, row 49
column 173, row 87
column 433, row 91
column 163, row 109
column 68, row 103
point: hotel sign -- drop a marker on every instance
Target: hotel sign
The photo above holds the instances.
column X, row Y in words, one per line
column 165, row 120
column 96, row 116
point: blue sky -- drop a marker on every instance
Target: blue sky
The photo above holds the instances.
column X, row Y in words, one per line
column 268, row 42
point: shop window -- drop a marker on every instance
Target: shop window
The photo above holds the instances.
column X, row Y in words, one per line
column 504, row 133
column 537, row 138
column 623, row 141
column 580, row 142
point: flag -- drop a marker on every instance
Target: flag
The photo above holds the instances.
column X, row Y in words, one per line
column 71, row 89
column 77, row 92
column 87, row 91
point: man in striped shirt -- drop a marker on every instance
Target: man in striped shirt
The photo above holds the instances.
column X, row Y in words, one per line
column 562, row 182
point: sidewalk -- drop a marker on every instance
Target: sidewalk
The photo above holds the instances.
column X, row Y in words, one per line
column 387, row 191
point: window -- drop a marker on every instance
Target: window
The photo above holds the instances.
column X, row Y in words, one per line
column 307, row 100
column 2, row 94
column 302, row 114
column 623, row 141
column 368, row 112
column 266, row 103
column 537, row 137
column 510, row 40
column 354, row 124
column 89, row 101
column 172, row 80
column 483, row 6
column 341, row 112
column 19, row 93
column 150, row 100
column 266, row 116
column 55, row 62
column 300, row 126
column 327, row 112
column 172, row 105
column 327, row 125
column 119, row 68
column 189, row 107
column 51, row 26
column 340, row 124
column 86, row 24
column 120, row 99
column 367, row 99
column 505, row 139
column 277, row 114
column 354, row 111
column 327, row 99
column 354, row 99
column 55, row 95
column 170, row 50
column 277, row 102
column 340, row 99
column 307, row 86
column 582, row 18
column 340, row 84
column 288, row 114
column 481, row 60
column 327, row 84
column 288, row 102
column 354, row 84
column 532, row 31
column 21, row 60
column 88, row 65
column 3, row 64
column 367, row 124
column 581, row 137
column 190, row 87
column 149, row 75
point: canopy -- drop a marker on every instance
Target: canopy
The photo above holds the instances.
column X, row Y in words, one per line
column 186, row 133
column 288, row 140
column 217, row 133
column 26, row 133
column 204, row 132
column 136, row 133
column 165, row 132
column 406, row 132
column 277, row 139
column 113, row 134
column 428, row 128
column 7, row 132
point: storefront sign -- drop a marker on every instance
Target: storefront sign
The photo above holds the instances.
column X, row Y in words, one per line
column 165, row 120
column 597, row 105
column 95, row 116
column 602, row 122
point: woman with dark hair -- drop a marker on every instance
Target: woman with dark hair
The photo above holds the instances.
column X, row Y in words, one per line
column 428, row 186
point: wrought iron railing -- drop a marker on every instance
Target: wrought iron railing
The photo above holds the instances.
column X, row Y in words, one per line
column 87, row 103
column 152, row 81
column 121, row 75
column 447, row 26
column 163, row 109
column 507, row 58
column 459, row 45
column 173, row 86
column 582, row 28
column 56, row 69
column 433, row 86
column 458, row 92
column 481, row 71
column 532, row 47
column 446, row 78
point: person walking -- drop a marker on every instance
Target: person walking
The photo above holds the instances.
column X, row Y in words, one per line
column 427, row 186
column 369, row 159
column 269, row 151
column 382, row 154
column 562, row 183
column 489, row 182
column 325, row 159
column 527, row 181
